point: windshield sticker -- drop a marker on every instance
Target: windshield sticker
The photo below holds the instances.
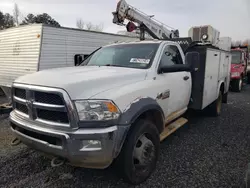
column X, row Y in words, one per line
column 137, row 60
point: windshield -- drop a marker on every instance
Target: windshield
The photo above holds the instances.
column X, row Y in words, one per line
column 124, row 55
column 236, row 57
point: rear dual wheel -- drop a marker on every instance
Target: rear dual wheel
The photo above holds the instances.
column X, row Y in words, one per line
column 215, row 108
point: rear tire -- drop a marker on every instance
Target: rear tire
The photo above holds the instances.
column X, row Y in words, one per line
column 215, row 108
column 224, row 98
column 140, row 152
column 237, row 85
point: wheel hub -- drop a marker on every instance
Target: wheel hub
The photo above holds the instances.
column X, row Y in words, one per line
column 144, row 152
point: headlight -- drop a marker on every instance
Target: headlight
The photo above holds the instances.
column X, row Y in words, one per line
column 204, row 37
column 96, row 110
column 234, row 74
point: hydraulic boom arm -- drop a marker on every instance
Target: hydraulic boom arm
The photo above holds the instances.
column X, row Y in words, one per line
column 145, row 22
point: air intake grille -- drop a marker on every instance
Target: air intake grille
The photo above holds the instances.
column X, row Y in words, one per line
column 40, row 105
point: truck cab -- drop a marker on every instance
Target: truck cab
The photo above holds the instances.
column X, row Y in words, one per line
column 238, row 68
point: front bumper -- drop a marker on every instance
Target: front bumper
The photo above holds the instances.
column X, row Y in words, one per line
column 235, row 75
column 71, row 145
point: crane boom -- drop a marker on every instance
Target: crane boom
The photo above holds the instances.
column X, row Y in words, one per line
column 145, row 22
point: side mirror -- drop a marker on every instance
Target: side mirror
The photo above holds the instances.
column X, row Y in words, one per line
column 85, row 57
column 78, row 59
column 193, row 60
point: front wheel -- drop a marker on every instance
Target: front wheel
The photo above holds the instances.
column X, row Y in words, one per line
column 237, row 85
column 140, row 152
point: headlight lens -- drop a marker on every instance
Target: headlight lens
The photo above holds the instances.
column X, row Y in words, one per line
column 96, row 110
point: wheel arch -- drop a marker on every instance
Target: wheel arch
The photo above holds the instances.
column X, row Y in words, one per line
column 221, row 88
column 141, row 108
column 146, row 108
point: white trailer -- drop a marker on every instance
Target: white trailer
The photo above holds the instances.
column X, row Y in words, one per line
column 31, row 48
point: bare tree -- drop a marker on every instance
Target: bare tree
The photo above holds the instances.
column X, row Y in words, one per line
column 80, row 24
column 99, row 27
column 89, row 26
column 92, row 27
column 16, row 14
column 237, row 43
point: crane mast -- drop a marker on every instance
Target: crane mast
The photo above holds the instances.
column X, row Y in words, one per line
column 145, row 23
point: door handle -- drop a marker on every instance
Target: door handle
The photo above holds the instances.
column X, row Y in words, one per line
column 185, row 77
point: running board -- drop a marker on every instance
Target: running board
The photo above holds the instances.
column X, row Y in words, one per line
column 172, row 127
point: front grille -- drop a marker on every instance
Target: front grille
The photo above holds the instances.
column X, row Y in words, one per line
column 49, row 98
column 22, row 108
column 59, row 117
column 21, row 93
column 41, row 105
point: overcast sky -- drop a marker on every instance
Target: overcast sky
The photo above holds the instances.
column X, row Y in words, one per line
column 230, row 17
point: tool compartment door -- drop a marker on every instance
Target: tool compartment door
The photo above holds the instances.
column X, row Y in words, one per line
column 225, row 66
column 222, row 71
column 211, row 77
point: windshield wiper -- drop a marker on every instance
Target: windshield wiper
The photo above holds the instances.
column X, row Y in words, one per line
column 114, row 65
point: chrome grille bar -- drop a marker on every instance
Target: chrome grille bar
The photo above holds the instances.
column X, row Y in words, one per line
column 52, row 107
column 49, row 114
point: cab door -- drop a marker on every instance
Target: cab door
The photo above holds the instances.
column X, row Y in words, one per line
column 175, row 87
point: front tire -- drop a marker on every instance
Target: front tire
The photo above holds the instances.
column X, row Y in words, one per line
column 237, row 85
column 140, row 152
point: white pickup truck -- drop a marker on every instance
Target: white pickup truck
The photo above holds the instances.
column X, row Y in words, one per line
column 118, row 104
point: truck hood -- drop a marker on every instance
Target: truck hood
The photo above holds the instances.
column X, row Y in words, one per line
column 86, row 81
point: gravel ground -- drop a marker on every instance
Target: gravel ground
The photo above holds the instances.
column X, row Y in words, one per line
column 207, row 152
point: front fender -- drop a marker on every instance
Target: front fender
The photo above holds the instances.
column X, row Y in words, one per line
column 138, row 107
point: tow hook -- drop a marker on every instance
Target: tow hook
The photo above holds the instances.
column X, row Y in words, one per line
column 57, row 161
column 15, row 142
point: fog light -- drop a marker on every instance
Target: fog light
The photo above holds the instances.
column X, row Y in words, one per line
column 91, row 145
